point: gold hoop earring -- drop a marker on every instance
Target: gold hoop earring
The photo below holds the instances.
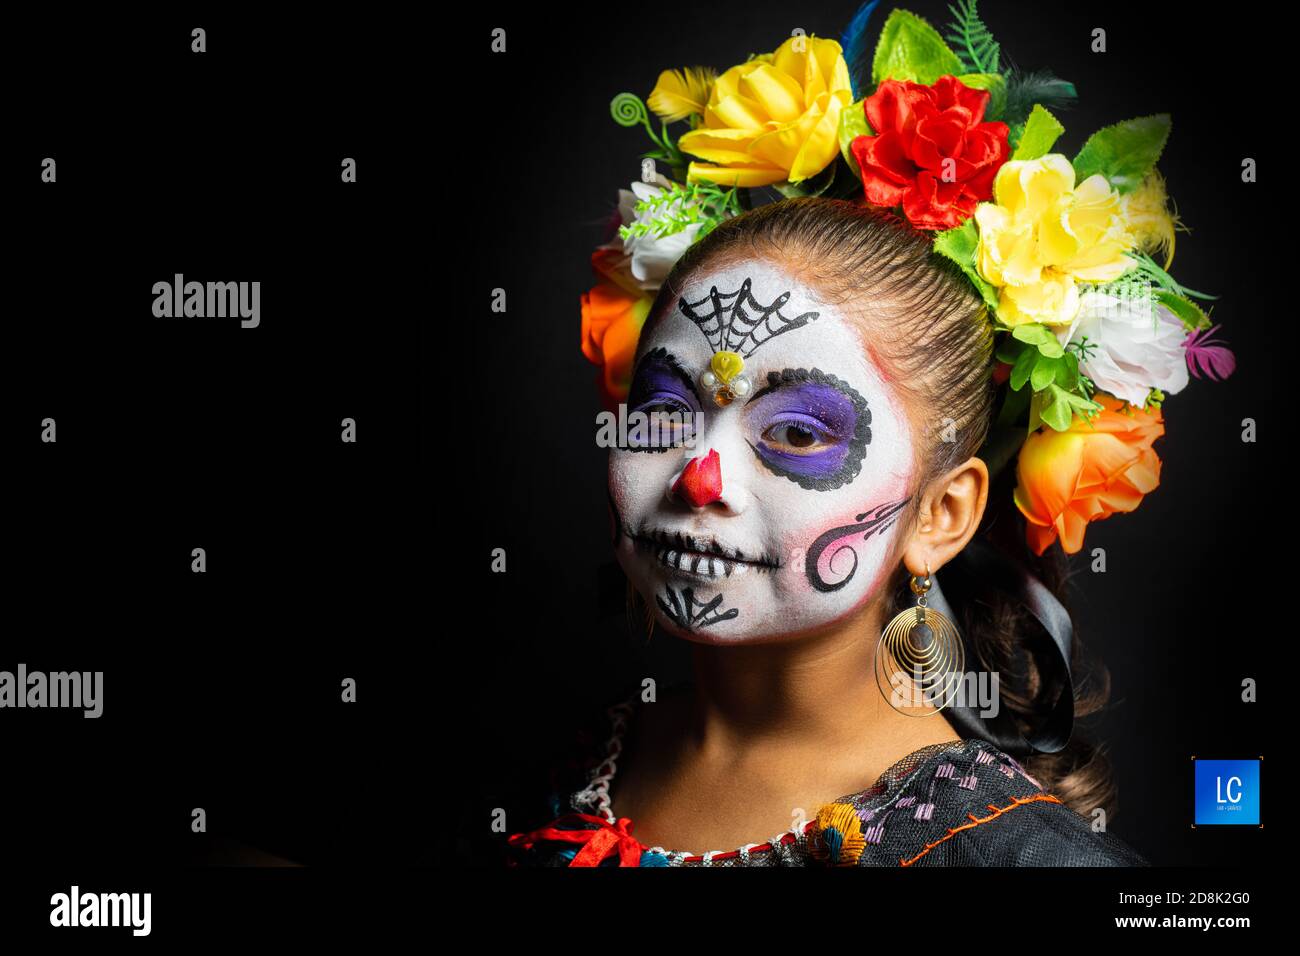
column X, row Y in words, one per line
column 920, row 660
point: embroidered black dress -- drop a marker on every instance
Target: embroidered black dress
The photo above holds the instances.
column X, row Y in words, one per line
column 961, row 803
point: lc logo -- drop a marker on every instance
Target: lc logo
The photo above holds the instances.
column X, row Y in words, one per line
column 1227, row 792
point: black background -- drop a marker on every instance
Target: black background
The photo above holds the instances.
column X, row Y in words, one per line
column 1175, row 616
column 476, row 171
column 221, row 690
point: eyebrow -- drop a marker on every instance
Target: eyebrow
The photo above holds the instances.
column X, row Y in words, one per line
column 661, row 356
column 790, row 377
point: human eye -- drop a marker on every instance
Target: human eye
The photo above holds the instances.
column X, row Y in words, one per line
column 811, row 428
column 662, row 405
column 796, row 434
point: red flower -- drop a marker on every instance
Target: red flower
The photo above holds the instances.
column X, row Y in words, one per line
column 932, row 151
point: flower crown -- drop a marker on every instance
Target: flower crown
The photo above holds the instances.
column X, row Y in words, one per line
column 1093, row 331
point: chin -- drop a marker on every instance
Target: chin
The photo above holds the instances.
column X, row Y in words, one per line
column 706, row 603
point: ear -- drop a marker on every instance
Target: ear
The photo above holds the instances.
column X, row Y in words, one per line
column 952, row 507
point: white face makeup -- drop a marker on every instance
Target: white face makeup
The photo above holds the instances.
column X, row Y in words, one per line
column 815, row 459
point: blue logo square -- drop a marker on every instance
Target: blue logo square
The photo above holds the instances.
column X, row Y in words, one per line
column 1227, row 792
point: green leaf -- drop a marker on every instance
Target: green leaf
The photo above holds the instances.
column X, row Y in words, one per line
column 1067, row 372
column 1041, row 337
column 1051, row 348
column 1085, row 407
column 996, row 87
column 1044, row 373
column 1191, row 314
column 1009, row 349
column 959, row 245
column 1031, row 332
column 1023, row 368
column 853, row 123
column 1040, row 133
column 1058, row 410
column 1014, row 132
column 1035, row 409
column 1124, row 153
column 911, row 49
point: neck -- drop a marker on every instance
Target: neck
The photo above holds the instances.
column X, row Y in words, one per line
column 818, row 691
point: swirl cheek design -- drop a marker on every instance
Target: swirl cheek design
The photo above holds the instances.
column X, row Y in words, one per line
column 831, row 562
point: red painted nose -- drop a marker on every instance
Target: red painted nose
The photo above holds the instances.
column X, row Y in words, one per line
column 701, row 481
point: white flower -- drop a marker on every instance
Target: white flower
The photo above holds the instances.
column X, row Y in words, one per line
column 1133, row 343
column 653, row 258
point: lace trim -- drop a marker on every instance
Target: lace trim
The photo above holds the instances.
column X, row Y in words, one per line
column 596, row 794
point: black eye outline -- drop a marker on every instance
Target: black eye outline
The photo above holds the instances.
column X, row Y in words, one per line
column 857, row 443
column 661, row 356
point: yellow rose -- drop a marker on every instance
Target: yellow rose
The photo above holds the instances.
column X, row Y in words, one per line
column 1041, row 233
column 774, row 118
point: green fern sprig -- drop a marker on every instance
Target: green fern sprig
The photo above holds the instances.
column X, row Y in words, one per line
column 1149, row 269
column 679, row 207
column 972, row 41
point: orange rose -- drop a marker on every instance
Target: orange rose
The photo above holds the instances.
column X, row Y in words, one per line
column 611, row 324
column 1089, row 472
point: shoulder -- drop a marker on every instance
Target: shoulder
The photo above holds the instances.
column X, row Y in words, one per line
column 968, row 803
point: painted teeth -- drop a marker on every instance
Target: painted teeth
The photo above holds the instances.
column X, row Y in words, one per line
column 701, row 564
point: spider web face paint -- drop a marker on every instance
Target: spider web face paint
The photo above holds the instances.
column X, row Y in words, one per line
column 807, row 461
column 738, row 322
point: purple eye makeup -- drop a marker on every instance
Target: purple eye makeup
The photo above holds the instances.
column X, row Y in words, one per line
column 810, row 427
column 662, row 387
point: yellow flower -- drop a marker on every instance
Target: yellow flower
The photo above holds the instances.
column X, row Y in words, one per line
column 773, row 118
column 1042, row 233
column 679, row 93
column 1146, row 210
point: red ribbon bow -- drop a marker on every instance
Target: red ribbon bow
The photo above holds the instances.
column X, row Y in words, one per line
column 607, row 838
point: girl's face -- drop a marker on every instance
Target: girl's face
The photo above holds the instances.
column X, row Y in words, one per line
column 792, row 526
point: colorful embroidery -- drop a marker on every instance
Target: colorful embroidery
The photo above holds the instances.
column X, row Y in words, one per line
column 911, row 805
column 838, row 838
column 976, row 821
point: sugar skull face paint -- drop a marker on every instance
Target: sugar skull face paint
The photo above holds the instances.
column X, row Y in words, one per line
column 781, row 520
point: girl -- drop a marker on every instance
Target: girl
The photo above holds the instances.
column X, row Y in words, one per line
column 844, row 378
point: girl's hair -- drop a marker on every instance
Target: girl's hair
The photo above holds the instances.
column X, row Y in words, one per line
column 928, row 325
